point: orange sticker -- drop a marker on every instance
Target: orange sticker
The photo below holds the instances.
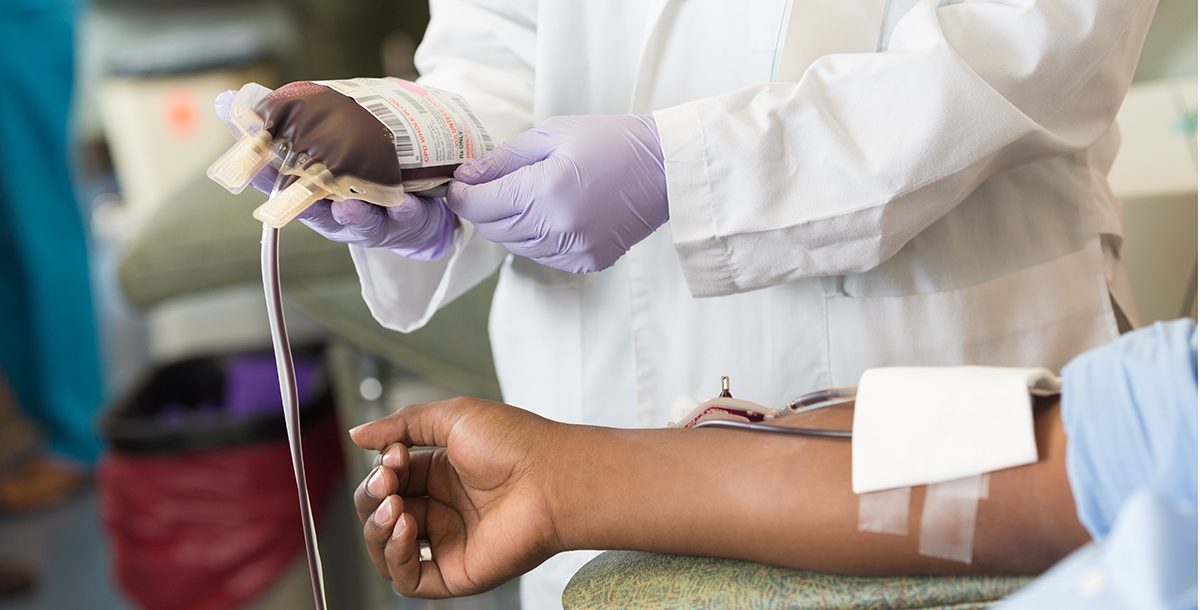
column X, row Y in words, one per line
column 181, row 112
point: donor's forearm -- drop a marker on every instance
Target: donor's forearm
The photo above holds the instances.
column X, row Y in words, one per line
column 786, row 500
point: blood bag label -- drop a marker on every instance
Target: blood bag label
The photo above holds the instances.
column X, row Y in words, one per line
column 429, row 126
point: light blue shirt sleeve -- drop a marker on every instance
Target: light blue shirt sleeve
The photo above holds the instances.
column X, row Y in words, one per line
column 1129, row 411
column 1148, row 562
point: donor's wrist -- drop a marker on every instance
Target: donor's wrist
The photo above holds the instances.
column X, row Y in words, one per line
column 588, row 476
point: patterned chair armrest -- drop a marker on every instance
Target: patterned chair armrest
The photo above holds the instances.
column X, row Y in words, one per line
column 629, row 579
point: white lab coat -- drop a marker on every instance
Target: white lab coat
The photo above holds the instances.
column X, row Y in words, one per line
column 851, row 184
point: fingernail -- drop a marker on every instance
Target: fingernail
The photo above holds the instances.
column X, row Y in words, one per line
column 398, row 530
column 391, row 458
column 468, row 170
column 383, row 514
column 355, row 429
column 473, row 169
column 375, row 484
column 224, row 104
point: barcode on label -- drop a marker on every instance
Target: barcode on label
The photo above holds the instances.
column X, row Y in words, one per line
column 399, row 128
column 487, row 138
column 414, row 103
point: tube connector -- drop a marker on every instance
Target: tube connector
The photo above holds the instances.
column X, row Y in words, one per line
column 240, row 164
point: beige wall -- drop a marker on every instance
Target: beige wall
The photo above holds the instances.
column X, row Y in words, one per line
column 1170, row 50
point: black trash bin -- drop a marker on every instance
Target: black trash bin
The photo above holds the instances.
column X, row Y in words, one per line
column 198, row 497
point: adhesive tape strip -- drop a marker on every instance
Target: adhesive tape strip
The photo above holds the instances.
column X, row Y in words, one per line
column 884, row 512
column 948, row 518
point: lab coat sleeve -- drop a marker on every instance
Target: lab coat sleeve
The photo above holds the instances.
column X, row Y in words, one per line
column 482, row 50
column 835, row 172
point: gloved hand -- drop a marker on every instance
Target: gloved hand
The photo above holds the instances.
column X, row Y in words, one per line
column 420, row 228
column 574, row 193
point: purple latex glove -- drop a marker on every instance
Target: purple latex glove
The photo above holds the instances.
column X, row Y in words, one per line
column 574, row 193
column 420, row 228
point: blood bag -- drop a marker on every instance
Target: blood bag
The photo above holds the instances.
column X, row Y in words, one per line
column 372, row 139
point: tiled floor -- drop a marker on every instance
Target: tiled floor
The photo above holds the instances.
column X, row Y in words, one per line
column 68, row 550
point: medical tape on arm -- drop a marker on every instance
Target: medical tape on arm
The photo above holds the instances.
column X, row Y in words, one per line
column 947, row 529
column 948, row 518
column 945, row 427
column 884, row 512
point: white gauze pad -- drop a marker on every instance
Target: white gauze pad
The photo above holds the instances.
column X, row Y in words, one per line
column 922, row 425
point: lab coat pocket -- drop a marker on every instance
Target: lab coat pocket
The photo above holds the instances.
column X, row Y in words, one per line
column 1041, row 316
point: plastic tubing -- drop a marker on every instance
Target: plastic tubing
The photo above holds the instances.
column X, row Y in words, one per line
column 291, row 404
column 773, row 429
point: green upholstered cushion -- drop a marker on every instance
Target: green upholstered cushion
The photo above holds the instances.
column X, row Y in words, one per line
column 205, row 238
column 452, row 349
column 628, row 579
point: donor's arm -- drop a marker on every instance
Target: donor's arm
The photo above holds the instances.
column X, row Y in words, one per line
column 504, row 489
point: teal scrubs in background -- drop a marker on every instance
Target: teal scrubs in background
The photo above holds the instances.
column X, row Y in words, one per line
column 48, row 341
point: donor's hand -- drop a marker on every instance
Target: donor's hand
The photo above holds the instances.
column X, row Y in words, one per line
column 479, row 494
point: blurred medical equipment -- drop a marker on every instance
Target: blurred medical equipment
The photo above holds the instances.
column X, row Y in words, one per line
column 300, row 131
column 158, row 82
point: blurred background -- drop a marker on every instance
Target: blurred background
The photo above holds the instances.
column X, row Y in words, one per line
column 193, row 505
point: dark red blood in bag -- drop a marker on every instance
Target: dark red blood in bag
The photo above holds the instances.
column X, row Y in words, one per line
column 726, row 413
column 337, row 131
